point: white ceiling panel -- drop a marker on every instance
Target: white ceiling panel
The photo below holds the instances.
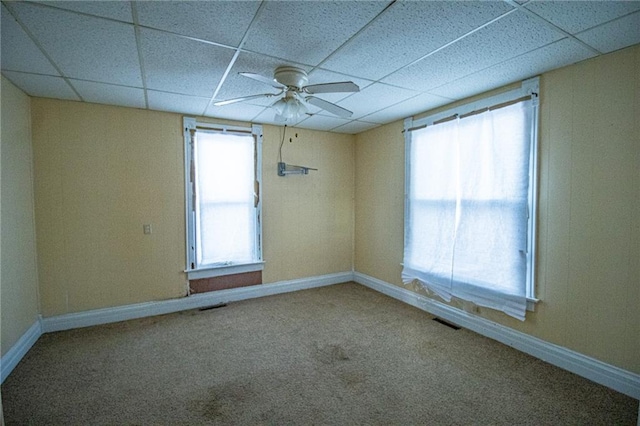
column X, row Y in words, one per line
column 577, row 16
column 560, row 53
column 375, row 97
column 355, row 127
column 504, row 39
column 176, row 103
column 19, row 52
column 407, row 31
column 109, row 94
column 84, row 47
column 118, row 10
column 240, row 111
column 222, row 22
column 415, row 105
column 406, row 56
column 42, row 86
column 177, row 64
column 614, row 35
column 308, row 31
column 323, row 122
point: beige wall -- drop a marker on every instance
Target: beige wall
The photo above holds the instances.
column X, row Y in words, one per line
column 18, row 281
column 588, row 269
column 379, row 202
column 308, row 219
column 101, row 172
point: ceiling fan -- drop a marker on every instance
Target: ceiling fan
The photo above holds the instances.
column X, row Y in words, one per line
column 293, row 85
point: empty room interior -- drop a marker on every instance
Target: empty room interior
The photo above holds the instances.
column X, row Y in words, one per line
column 346, row 224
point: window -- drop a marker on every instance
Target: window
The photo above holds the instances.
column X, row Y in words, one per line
column 470, row 201
column 222, row 173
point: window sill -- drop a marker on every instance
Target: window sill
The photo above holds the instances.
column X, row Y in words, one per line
column 218, row 271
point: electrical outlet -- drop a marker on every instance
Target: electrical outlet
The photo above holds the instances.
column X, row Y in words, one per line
column 146, row 229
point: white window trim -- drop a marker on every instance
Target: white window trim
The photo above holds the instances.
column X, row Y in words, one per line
column 530, row 87
column 208, row 271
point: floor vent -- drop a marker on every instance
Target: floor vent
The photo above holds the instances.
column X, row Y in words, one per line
column 219, row 305
column 448, row 324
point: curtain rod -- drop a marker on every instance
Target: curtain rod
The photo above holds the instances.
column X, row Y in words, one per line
column 224, row 129
column 478, row 111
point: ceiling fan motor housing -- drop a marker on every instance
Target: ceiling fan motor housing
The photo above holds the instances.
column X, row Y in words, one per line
column 291, row 77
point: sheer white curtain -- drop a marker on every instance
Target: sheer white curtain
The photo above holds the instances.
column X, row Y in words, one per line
column 466, row 234
column 225, row 207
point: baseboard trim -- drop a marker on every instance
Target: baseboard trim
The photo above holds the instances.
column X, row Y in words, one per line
column 608, row 375
column 605, row 374
column 200, row 300
column 20, row 349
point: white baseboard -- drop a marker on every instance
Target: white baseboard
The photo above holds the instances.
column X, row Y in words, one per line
column 195, row 301
column 19, row 350
column 605, row 374
column 616, row 378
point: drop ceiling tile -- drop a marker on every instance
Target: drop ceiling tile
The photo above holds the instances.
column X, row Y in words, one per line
column 375, row 97
column 240, row 111
column 42, row 86
column 119, row 10
column 318, row 76
column 415, row 105
column 308, row 31
column 576, row 16
column 180, row 65
column 173, row 102
column 217, row 21
column 510, row 36
column 407, row 31
column 354, row 127
column 84, row 47
column 19, row 52
column 614, row 35
column 110, row 94
column 236, row 85
column 552, row 56
column 322, row 122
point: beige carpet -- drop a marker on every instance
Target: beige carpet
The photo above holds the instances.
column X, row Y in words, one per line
column 335, row 355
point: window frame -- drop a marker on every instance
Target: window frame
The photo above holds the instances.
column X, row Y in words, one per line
column 193, row 270
column 528, row 88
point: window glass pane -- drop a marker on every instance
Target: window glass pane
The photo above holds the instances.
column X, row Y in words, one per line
column 467, row 222
column 224, row 167
column 225, row 210
column 227, row 233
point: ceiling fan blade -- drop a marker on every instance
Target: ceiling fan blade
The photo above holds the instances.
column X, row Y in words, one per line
column 244, row 98
column 328, row 106
column 341, row 86
column 263, row 79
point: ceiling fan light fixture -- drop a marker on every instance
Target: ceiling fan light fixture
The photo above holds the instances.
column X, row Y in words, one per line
column 293, row 83
column 290, row 107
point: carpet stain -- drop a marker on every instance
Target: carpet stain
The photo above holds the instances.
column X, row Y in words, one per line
column 329, row 354
column 222, row 400
column 212, row 409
